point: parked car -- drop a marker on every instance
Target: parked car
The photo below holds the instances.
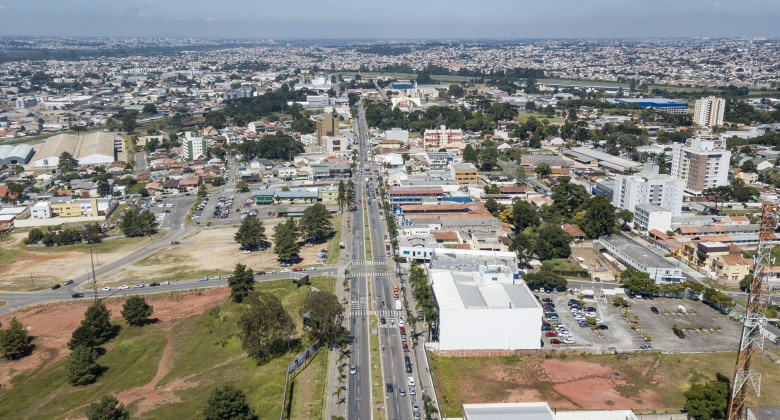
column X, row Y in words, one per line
column 165, row 283
column 389, row 388
column 154, row 284
column 286, row 270
column 602, row 327
column 260, row 273
column 646, row 347
column 555, row 341
column 55, row 287
column 296, row 269
column 204, row 279
column 77, row 295
column 215, row 278
column 551, row 334
column 271, row 272
column 68, row 283
column 139, row 286
column 568, row 341
column 654, row 310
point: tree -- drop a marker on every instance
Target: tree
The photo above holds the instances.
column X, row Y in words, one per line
column 67, row 163
column 315, row 222
column 323, row 316
column 107, row 408
column 719, row 194
column 599, row 217
column 524, row 215
column 491, row 205
column 749, row 167
column 136, row 311
column 530, row 106
column 35, row 235
column 546, row 279
column 638, row 281
column 707, row 401
column 626, row 216
column 286, row 239
column 81, row 366
column 543, row 170
column 92, row 233
column 341, row 197
column 620, row 302
column 129, row 120
column 241, row 282
column 13, row 340
column 144, row 192
column 568, row 199
column 227, row 402
column 95, row 328
column 488, row 157
column 470, row 155
column 242, row 186
column 251, row 232
column 741, row 192
column 456, row 90
column 423, row 79
column 552, row 242
column 149, row 109
column 572, row 115
column 265, row 326
column 535, row 142
column 746, row 283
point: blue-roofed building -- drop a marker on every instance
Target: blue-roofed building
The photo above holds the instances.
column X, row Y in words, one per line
column 670, row 106
column 401, row 86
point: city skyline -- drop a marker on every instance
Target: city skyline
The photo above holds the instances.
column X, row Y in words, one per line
column 405, row 20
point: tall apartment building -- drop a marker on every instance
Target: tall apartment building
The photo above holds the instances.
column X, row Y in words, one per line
column 436, row 139
column 194, row 146
column 648, row 188
column 702, row 163
column 327, row 125
column 709, row 111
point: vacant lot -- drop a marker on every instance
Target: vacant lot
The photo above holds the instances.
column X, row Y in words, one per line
column 26, row 269
column 161, row 370
column 643, row 382
column 204, row 253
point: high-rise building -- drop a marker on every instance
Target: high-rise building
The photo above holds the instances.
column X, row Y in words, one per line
column 194, row 146
column 648, row 188
column 709, row 111
column 327, row 125
column 436, row 139
column 702, row 163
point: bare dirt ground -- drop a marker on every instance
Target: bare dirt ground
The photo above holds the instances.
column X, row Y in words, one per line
column 51, row 326
column 207, row 252
column 48, row 266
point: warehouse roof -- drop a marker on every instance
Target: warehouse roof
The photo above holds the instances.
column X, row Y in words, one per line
column 96, row 142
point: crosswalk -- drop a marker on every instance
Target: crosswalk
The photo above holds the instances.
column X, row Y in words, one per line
column 368, row 263
column 386, row 313
column 369, row 274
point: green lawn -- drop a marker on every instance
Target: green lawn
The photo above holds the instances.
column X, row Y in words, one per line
column 135, row 188
column 523, row 117
column 377, row 387
column 200, row 364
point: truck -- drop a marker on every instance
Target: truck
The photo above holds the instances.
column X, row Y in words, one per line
column 366, row 179
column 341, row 245
column 398, row 306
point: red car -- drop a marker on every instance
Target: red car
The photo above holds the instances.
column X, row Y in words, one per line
column 551, row 334
column 175, row 242
column 324, row 250
column 406, row 346
column 297, row 269
column 555, row 341
column 260, row 273
column 403, row 330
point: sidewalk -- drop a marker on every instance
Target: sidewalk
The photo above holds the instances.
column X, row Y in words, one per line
column 334, row 409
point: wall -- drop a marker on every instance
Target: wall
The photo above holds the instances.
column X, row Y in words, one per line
column 57, row 221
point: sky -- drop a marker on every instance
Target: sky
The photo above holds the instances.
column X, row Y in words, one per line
column 399, row 19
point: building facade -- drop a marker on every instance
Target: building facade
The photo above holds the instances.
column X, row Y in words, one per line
column 464, row 173
column 327, row 125
column 651, row 216
column 194, row 146
column 646, row 188
column 701, row 163
column 436, row 139
column 709, row 111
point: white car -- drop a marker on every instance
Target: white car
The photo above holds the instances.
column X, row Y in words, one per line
column 105, row 289
column 161, row 205
column 165, row 283
column 564, row 334
column 410, row 381
column 286, row 270
column 591, row 314
column 215, row 278
column 246, row 251
column 124, row 287
column 139, row 286
column 270, row 272
column 568, row 341
column 311, row 268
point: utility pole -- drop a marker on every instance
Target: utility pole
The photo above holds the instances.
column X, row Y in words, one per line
column 94, row 280
column 32, row 281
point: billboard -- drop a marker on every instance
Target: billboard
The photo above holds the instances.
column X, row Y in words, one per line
column 303, row 357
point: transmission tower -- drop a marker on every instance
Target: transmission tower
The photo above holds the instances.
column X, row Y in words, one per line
column 746, row 386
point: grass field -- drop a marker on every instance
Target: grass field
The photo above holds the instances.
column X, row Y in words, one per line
column 114, row 245
column 377, row 387
column 199, row 363
column 647, row 383
column 523, row 117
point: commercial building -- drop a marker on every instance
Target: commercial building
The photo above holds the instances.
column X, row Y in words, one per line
column 718, row 259
column 95, row 148
column 16, row 155
column 82, row 207
column 327, row 125
column 194, row 147
column 670, row 106
column 404, row 196
column 630, row 191
column 558, row 164
column 652, row 216
column 702, row 163
column 333, row 144
column 592, row 157
column 417, row 247
column 641, row 258
column 482, row 302
column 709, row 111
column 23, row 102
column 436, row 139
column 464, row 173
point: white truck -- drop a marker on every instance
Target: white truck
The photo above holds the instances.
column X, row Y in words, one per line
column 398, row 306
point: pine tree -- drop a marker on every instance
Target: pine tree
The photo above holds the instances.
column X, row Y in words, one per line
column 136, row 311
column 107, row 409
column 241, row 282
column 315, row 222
column 95, row 328
column 285, row 240
column 14, row 340
column 82, row 366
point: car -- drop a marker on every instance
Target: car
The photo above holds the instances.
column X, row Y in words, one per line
column 165, row 283
column 555, row 341
column 679, row 333
column 324, row 250
column 410, row 381
column 311, row 268
column 646, row 347
column 382, row 320
column 246, row 251
column 68, row 283
column 296, row 269
column 77, row 295
column 215, row 278
column 401, row 392
column 402, row 329
column 568, row 341
column 285, row 264
column 415, row 406
column 602, row 327
column 154, row 284
column 551, row 334
column 124, row 287
column 260, row 273
column 271, row 272
column 55, row 287
column 546, row 328
column 389, row 388
column 286, row 270
column 773, row 323
column 654, row 310
column 139, row 286
column 405, row 346
column 105, row 289
column 564, row 334
column 403, row 338
column 204, row 279
column 352, row 369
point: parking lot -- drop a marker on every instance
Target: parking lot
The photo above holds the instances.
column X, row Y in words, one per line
column 704, row 328
column 174, row 211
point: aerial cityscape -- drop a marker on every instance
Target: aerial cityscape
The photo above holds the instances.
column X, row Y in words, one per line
column 479, row 217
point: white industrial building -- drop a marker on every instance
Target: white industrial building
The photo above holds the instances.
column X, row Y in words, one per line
column 482, row 302
column 95, row 148
column 648, row 188
column 537, row 411
column 41, row 210
column 641, row 258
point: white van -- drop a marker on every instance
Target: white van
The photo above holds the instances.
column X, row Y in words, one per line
column 681, row 309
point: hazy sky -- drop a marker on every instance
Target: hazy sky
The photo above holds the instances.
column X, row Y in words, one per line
column 399, row 19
